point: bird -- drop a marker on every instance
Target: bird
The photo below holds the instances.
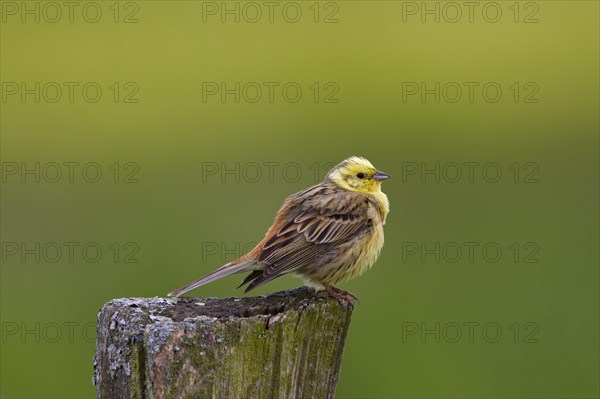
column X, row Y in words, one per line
column 326, row 234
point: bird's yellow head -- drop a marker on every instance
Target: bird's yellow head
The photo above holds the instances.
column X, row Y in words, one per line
column 357, row 174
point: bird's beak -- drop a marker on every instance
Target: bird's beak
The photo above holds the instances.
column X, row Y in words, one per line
column 379, row 175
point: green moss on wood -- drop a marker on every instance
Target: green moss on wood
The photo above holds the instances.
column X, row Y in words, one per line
column 283, row 345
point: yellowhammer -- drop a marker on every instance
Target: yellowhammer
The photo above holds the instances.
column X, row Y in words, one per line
column 326, row 234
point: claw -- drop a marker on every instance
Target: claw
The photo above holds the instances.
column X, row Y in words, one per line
column 344, row 298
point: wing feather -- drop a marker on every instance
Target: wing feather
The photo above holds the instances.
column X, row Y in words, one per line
column 310, row 225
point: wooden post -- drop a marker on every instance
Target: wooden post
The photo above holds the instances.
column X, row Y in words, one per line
column 284, row 345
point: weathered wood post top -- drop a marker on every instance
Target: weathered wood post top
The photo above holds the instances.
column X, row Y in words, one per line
column 284, row 345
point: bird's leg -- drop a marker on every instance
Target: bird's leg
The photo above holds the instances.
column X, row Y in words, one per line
column 343, row 297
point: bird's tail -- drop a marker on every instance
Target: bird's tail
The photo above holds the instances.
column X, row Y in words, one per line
column 225, row 270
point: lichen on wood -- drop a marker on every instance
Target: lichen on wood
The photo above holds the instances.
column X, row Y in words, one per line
column 283, row 345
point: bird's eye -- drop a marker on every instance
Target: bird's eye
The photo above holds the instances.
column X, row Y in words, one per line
column 360, row 175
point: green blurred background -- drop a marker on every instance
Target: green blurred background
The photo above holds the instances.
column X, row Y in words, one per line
column 178, row 221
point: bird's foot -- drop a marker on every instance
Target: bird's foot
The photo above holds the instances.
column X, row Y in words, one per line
column 344, row 298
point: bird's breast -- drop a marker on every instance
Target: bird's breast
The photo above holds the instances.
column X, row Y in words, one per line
column 362, row 255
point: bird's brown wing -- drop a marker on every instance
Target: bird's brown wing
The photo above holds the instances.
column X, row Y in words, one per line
column 309, row 226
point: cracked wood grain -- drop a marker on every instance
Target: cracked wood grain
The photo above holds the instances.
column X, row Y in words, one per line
column 283, row 345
